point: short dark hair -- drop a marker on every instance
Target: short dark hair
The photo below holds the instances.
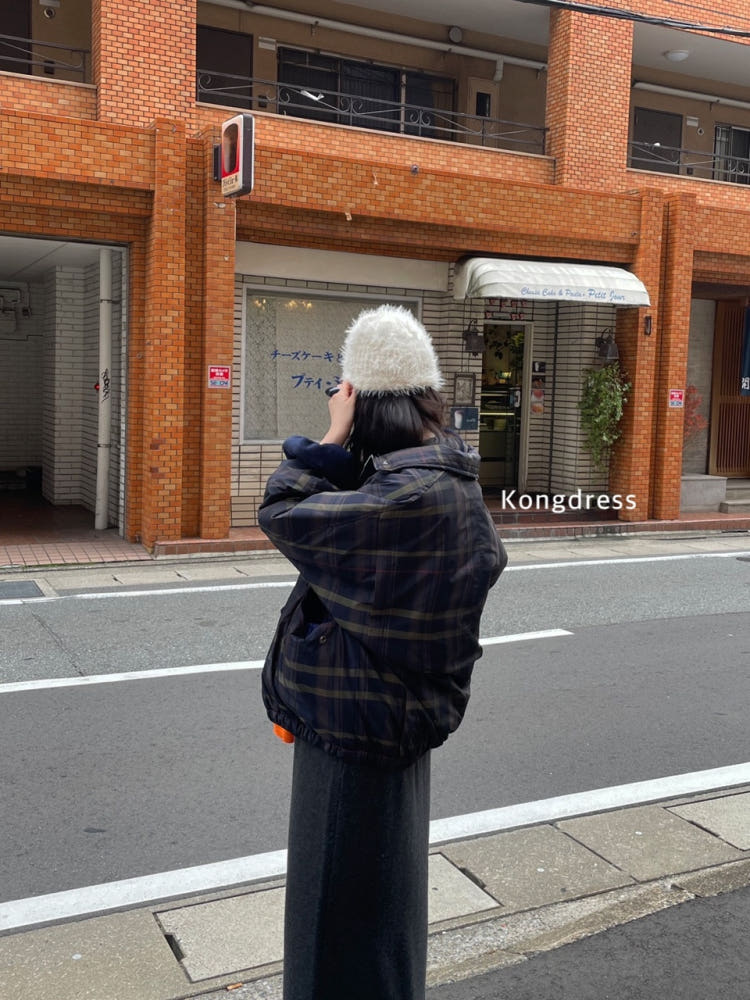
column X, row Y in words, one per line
column 392, row 421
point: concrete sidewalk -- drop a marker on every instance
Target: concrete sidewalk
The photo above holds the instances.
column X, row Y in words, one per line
column 494, row 900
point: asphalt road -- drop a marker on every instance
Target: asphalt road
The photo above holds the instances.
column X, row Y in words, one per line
column 695, row 951
column 77, row 635
column 108, row 781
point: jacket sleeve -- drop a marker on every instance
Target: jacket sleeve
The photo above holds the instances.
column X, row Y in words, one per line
column 317, row 524
column 332, row 461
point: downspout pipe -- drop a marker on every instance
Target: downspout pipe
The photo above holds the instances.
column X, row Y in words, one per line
column 104, row 433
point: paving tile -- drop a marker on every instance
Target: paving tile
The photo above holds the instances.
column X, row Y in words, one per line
column 228, row 935
column 728, row 817
column 140, row 575
column 648, row 841
column 116, row 957
column 534, row 867
column 452, row 894
column 241, row 932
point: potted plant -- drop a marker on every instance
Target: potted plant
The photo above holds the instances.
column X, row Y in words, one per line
column 605, row 393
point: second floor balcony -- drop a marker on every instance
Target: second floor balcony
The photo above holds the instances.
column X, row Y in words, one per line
column 44, row 58
column 432, row 118
column 483, row 85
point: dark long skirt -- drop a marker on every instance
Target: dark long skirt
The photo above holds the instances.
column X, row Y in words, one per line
column 356, row 894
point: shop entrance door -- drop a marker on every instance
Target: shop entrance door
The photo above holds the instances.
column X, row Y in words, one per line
column 730, row 411
column 502, row 441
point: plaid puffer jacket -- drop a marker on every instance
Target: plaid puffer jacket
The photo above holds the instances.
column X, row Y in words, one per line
column 374, row 650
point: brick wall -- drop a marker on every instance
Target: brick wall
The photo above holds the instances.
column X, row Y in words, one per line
column 24, row 93
column 143, row 57
column 588, row 98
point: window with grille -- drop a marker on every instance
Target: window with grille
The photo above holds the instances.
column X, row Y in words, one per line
column 732, row 154
column 350, row 92
column 225, row 67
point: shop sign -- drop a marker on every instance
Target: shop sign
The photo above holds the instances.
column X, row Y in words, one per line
column 465, row 418
column 237, row 155
column 514, row 310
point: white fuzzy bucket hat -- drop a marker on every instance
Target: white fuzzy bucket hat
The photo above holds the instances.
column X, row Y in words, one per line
column 387, row 350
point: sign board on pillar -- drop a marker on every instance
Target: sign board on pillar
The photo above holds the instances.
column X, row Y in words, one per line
column 237, row 155
column 676, row 398
column 219, row 377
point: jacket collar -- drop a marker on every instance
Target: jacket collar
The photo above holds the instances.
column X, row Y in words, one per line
column 449, row 453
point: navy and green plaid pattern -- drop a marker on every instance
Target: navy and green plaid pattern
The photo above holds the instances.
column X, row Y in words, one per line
column 376, row 645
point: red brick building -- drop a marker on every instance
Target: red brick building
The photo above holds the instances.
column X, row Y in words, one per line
column 397, row 158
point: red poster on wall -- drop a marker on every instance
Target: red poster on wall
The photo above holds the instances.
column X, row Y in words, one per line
column 219, row 376
column 676, row 398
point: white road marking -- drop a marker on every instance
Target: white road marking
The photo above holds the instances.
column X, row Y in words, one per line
column 211, row 668
column 209, row 588
column 134, row 675
column 220, row 587
column 66, row 905
column 622, row 560
column 548, row 633
column 103, row 595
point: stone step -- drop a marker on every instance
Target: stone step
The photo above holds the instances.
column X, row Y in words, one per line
column 738, row 494
column 741, row 506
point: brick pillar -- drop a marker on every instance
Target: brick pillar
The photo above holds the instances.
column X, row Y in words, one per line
column 673, row 333
column 631, row 471
column 588, row 97
column 164, row 347
column 219, row 222
column 143, row 58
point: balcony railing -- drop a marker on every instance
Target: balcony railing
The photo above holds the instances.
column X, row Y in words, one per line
column 252, row 94
column 663, row 159
column 25, row 55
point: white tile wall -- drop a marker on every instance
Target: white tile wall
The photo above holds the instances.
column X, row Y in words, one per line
column 70, row 401
column 64, row 385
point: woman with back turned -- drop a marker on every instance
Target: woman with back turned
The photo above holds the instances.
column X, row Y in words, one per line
column 372, row 659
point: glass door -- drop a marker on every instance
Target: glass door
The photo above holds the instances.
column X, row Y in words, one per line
column 500, row 408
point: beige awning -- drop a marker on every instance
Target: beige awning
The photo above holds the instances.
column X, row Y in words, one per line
column 497, row 278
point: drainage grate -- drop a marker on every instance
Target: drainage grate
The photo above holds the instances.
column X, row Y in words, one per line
column 19, row 588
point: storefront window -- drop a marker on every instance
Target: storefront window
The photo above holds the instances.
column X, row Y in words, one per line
column 292, row 354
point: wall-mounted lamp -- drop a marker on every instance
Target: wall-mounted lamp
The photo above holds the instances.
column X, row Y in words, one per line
column 647, row 326
column 473, row 339
column 455, row 34
column 606, row 347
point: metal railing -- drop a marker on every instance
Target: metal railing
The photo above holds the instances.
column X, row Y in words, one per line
column 24, row 55
column 663, row 159
column 251, row 94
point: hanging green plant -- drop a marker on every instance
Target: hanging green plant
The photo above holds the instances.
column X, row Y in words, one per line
column 605, row 393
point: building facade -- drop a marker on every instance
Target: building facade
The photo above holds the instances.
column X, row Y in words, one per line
column 511, row 174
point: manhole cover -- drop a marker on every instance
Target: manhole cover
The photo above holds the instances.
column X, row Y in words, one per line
column 20, row 588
